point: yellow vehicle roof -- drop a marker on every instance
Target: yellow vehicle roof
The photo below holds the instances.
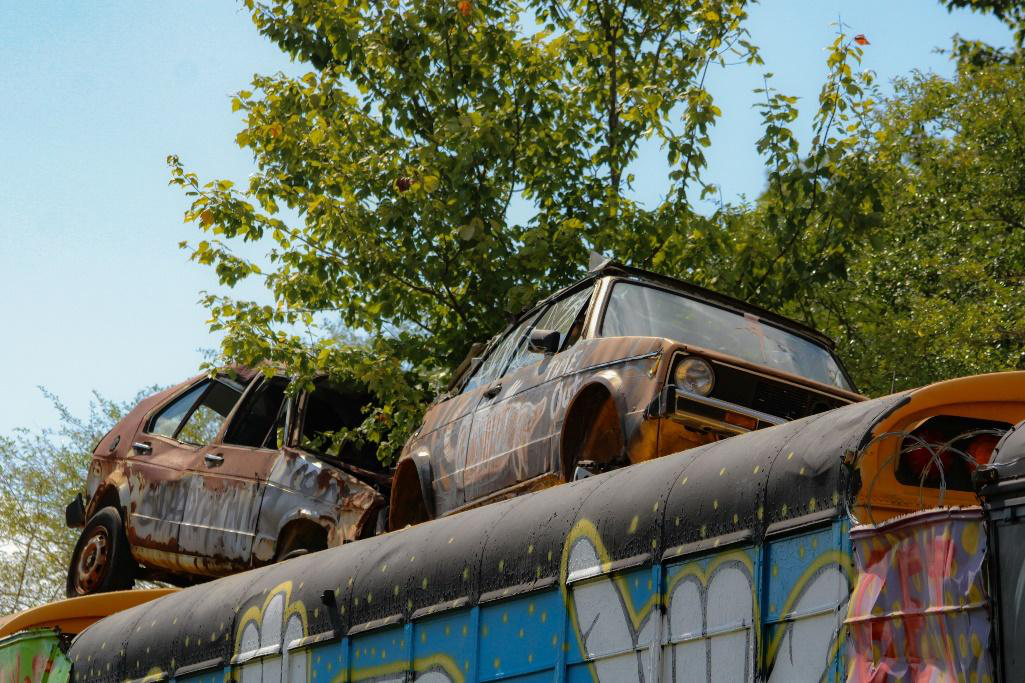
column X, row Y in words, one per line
column 74, row 614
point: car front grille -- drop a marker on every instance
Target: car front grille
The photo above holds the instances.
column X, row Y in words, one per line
column 780, row 400
column 764, row 394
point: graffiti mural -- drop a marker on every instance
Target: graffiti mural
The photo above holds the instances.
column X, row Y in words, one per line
column 920, row 610
column 711, row 620
column 271, row 628
column 711, row 624
column 611, row 615
column 33, row 656
column 728, row 562
column 691, row 620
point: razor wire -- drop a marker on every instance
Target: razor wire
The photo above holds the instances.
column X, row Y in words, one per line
column 935, row 451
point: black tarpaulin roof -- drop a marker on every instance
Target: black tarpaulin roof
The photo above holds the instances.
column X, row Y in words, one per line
column 736, row 490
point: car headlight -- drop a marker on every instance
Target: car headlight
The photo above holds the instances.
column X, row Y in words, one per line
column 694, row 375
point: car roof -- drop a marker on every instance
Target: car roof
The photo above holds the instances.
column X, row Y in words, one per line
column 612, row 268
column 607, row 268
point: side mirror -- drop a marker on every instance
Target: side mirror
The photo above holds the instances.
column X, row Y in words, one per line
column 543, row 341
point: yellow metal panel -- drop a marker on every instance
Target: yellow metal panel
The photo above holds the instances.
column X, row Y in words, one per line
column 997, row 396
column 74, row 614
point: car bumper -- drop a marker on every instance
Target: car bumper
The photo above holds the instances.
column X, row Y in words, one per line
column 74, row 513
column 712, row 415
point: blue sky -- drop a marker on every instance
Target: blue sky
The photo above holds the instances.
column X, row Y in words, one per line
column 94, row 95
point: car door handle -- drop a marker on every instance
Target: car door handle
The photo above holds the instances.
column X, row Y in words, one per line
column 213, row 459
column 493, row 390
column 142, row 447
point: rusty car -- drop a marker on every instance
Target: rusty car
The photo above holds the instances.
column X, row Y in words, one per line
column 222, row 473
column 623, row 366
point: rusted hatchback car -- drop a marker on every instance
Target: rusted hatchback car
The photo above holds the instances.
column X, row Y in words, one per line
column 621, row 367
column 222, row 474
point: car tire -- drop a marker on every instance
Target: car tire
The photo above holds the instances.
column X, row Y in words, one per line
column 102, row 559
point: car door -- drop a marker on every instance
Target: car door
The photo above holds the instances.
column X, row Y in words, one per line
column 513, row 426
column 446, row 445
column 319, row 478
column 227, row 477
column 156, row 466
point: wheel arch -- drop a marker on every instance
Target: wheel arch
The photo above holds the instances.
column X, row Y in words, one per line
column 411, row 487
column 597, row 395
column 108, row 494
column 301, row 525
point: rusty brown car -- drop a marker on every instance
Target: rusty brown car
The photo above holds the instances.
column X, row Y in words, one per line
column 220, row 474
column 621, row 367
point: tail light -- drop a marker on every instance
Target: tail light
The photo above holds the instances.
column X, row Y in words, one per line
column 981, row 449
column 945, row 450
column 925, row 462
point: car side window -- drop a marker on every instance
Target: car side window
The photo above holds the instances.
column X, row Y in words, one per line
column 196, row 417
column 260, row 419
column 166, row 423
column 494, row 365
column 560, row 317
column 202, row 425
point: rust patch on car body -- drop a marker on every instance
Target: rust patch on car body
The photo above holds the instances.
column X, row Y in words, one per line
column 608, row 400
column 208, row 509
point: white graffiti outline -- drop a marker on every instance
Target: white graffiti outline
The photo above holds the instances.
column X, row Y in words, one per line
column 712, row 609
column 268, row 630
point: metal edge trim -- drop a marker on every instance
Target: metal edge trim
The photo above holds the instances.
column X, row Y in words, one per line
column 214, row 663
column 705, row 544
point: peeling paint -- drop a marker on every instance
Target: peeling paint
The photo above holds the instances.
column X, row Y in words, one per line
column 485, row 440
column 33, row 656
column 220, row 508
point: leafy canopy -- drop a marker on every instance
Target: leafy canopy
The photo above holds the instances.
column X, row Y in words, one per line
column 392, row 180
column 387, row 173
column 938, row 290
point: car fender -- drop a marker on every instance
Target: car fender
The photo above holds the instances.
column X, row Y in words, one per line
column 632, row 387
column 425, row 472
column 402, row 500
column 110, row 491
column 301, row 486
column 284, row 510
column 327, row 522
column 611, row 381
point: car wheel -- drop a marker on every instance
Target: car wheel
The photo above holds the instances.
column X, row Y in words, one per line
column 102, row 560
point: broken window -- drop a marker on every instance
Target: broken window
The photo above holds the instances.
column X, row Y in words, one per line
column 558, row 317
column 260, row 421
column 328, row 409
column 202, row 425
column 494, row 365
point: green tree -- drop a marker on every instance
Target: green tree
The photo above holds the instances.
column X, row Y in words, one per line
column 976, row 53
column 906, row 243
column 939, row 290
column 398, row 157
column 1010, row 12
column 43, row 471
column 818, row 202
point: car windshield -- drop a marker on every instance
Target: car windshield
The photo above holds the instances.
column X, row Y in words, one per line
column 639, row 310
